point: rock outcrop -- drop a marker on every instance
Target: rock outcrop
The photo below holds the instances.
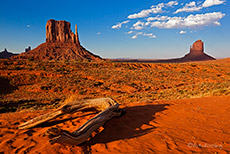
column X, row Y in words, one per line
column 61, row 44
column 6, row 54
column 27, row 49
column 197, row 53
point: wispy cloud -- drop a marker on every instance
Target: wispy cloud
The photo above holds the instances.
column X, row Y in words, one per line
column 153, row 10
column 149, row 35
column 189, row 7
column 99, row 33
column 118, row 26
column 130, row 32
column 208, row 3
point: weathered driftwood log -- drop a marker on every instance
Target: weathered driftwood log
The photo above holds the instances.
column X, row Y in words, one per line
column 107, row 107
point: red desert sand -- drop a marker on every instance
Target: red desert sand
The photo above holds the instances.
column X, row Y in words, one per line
column 198, row 125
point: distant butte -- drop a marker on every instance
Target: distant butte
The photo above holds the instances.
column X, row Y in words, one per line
column 6, row 54
column 196, row 54
column 61, row 44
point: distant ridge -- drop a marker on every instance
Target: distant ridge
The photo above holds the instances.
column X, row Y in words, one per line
column 61, row 44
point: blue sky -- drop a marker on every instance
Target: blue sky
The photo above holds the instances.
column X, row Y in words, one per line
column 150, row 29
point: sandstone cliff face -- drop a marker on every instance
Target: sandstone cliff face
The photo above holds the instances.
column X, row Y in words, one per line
column 61, row 44
column 59, row 31
column 197, row 47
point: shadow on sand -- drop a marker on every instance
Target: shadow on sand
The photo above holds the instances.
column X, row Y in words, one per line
column 129, row 125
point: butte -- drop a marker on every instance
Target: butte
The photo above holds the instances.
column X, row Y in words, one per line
column 197, row 53
column 61, row 44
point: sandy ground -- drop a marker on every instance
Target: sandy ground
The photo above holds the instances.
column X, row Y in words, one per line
column 199, row 125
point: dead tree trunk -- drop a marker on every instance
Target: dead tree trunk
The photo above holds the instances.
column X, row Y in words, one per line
column 106, row 107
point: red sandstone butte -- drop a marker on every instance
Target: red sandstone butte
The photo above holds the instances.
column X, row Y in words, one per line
column 61, row 44
column 197, row 53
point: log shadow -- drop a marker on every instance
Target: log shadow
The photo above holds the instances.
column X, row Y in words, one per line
column 61, row 120
column 136, row 122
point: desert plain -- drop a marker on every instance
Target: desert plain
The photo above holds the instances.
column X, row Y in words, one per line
column 170, row 108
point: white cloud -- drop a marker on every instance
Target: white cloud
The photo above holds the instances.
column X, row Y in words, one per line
column 217, row 23
column 99, row 33
column 154, row 9
column 138, row 25
column 150, row 35
column 118, row 26
column 152, row 18
column 162, row 18
column 173, row 22
column 209, row 3
column 145, row 13
column 28, row 26
column 192, row 6
column 182, row 32
column 189, row 7
column 134, row 37
column 171, row 3
column 191, row 21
